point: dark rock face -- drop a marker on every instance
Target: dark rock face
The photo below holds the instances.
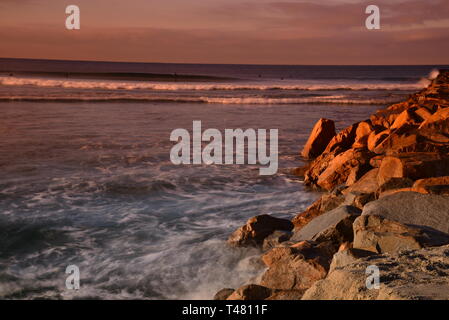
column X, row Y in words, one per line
column 257, row 229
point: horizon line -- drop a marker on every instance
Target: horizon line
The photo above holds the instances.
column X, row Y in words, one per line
column 224, row 64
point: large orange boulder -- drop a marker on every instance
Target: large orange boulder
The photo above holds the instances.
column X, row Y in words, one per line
column 362, row 133
column 406, row 118
column 353, row 162
column 321, row 135
column 397, row 141
column 376, row 137
column 414, row 166
column 343, row 140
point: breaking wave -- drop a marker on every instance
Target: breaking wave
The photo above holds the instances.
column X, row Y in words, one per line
column 337, row 99
column 246, row 86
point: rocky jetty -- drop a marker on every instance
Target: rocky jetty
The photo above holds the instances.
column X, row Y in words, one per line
column 386, row 204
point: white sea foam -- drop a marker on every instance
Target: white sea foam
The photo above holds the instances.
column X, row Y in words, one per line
column 261, row 86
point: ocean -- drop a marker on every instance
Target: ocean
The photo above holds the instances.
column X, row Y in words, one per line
column 86, row 176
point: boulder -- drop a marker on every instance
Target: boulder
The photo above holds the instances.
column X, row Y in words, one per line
column 438, row 185
column 251, row 292
column 316, row 167
column 408, row 119
column 297, row 267
column 223, row 294
column 398, row 141
column 363, row 131
column 386, row 117
column 321, row 135
column 325, row 203
column 345, row 257
column 359, row 200
column 257, row 229
column 366, row 184
column 343, row 140
column 351, row 162
column 275, row 239
column 375, row 138
column 408, row 275
column 423, row 113
column 379, row 235
column 335, row 226
column 394, row 183
column 414, row 166
column 438, row 122
column 413, row 208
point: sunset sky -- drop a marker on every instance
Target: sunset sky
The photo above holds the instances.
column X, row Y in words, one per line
column 228, row 31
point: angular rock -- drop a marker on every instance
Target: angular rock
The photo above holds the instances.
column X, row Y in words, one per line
column 296, row 268
column 395, row 183
column 438, row 185
column 414, row 166
column 359, row 200
column 345, row 257
column 413, row 208
column 386, row 117
column 257, row 229
column 342, row 166
column 375, row 138
column 380, row 235
column 366, row 184
column 251, row 292
column 343, row 140
column 398, row 141
column 275, row 239
column 321, row 135
column 423, row 112
column 335, row 226
column 326, row 203
column 409, row 275
column 438, row 122
column 406, row 118
column 362, row 133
